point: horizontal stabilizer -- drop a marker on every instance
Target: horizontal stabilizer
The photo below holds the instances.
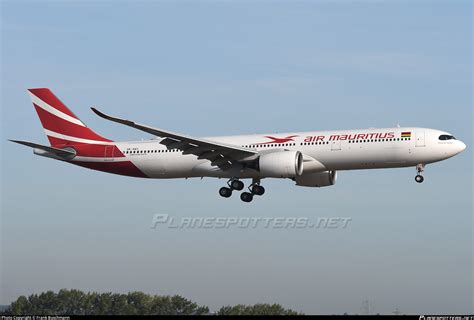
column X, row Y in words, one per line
column 65, row 154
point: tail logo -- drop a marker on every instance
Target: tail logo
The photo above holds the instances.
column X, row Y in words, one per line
column 60, row 124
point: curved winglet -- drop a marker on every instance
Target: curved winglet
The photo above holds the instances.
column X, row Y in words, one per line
column 108, row 117
column 187, row 144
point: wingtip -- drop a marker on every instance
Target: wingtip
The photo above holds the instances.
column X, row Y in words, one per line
column 18, row 141
column 111, row 118
column 97, row 112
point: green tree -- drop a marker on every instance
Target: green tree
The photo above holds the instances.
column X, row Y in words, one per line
column 182, row 305
column 138, row 303
column 20, row 306
column 71, row 302
column 257, row 309
column 75, row 302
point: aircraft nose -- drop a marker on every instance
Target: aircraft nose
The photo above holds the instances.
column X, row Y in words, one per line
column 460, row 146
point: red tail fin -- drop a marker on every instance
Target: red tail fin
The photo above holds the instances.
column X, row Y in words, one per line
column 61, row 125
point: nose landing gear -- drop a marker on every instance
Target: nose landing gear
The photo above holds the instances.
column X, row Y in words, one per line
column 420, row 168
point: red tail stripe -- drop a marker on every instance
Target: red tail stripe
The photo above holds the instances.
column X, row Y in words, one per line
column 48, row 97
column 56, row 124
column 61, row 143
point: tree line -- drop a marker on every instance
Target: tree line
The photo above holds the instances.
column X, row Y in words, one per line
column 76, row 302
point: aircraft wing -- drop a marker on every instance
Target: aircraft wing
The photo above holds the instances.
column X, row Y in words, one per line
column 220, row 154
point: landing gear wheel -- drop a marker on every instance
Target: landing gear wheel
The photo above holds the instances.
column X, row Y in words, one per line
column 237, row 185
column 246, row 196
column 225, row 192
column 258, row 190
column 419, row 170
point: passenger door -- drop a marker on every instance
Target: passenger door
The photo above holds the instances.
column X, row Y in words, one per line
column 420, row 139
column 109, row 153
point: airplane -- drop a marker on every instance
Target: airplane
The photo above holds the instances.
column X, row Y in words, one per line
column 310, row 159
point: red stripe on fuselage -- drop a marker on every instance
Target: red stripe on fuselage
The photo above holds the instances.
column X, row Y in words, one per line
column 97, row 150
column 59, row 125
column 88, row 150
column 124, row 168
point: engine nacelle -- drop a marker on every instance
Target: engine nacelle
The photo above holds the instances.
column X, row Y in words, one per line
column 317, row 179
column 283, row 164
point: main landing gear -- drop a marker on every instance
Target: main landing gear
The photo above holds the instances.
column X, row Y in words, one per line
column 419, row 170
column 234, row 184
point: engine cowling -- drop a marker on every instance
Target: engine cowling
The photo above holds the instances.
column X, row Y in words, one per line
column 317, row 179
column 283, row 164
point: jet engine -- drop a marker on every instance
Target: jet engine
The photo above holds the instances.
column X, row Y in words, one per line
column 317, row 179
column 283, row 164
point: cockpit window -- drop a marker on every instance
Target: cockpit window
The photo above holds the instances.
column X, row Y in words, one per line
column 446, row 137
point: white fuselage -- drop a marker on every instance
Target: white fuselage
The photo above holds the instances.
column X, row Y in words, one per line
column 323, row 151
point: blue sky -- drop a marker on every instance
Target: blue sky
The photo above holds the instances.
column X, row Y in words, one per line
column 215, row 68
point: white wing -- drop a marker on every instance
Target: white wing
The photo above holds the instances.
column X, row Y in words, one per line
column 220, row 154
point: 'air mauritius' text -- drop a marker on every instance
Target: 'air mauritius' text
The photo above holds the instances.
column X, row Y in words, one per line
column 355, row 136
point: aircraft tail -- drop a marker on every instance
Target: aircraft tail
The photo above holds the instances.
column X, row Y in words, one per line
column 61, row 125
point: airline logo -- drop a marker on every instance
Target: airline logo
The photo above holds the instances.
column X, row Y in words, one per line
column 60, row 124
column 359, row 136
column 336, row 137
column 279, row 140
column 65, row 129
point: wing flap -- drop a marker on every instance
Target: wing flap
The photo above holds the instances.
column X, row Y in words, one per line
column 203, row 148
